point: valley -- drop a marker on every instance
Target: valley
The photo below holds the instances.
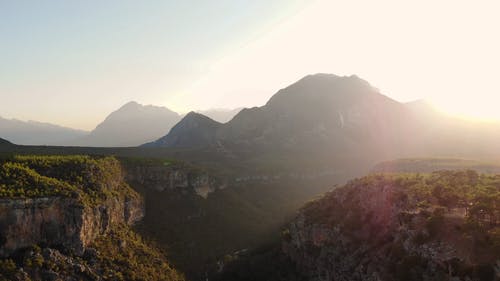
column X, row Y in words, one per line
column 329, row 180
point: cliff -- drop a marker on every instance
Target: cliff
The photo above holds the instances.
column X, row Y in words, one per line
column 71, row 220
column 68, row 218
column 170, row 176
column 439, row 226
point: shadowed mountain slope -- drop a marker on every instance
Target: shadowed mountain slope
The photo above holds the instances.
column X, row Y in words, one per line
column 324, row 116
column 192, row 131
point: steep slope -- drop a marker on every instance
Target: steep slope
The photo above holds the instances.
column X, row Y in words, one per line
column 323, row 123
column 36, row 133
column 439, row 226
column 324, row 120
column 68, row 218
column 318, row 109
column 131, row 125
column 194, row 130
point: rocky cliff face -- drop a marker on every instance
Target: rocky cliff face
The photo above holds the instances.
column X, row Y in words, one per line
column 68, row 218
column 166, row 178
column 387, row 229
column 99, row 200
column 58, row 221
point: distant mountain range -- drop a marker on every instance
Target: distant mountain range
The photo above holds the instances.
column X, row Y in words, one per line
column 319, row 116
column 332, row 118
column 131, row 125
column 36, row 133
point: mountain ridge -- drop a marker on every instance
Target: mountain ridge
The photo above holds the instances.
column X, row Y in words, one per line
column 37, row 133
column 193, row 130
column 311, row 110
column 131, row 125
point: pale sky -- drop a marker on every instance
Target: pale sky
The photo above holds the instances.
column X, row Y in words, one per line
column 73, row 62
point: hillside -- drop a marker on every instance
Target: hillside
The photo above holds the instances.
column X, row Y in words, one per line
column 194, row 130
column 214, row 214
column 69, row 218
column 438, row 226
column 36, row 133
column 131, row 125
column 340, row 123
column 312, row 111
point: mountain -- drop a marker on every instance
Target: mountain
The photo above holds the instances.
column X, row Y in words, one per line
column 131, row 125
column 325, row 119
column 314, row 109
column 323, row 123
column 193, row 130
column 220, row 115
column 36, row 133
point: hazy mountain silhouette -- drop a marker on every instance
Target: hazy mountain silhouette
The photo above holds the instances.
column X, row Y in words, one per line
column 316, row 109
column 36, row 133
column 131, row 125
column 324, row 116
column 193, row 130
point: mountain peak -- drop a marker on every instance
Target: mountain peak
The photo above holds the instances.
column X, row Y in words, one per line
column 130, row 125
column 195, row 119
column 323, row 89
column 193, row 130
column 193, row 115
column 131, row 104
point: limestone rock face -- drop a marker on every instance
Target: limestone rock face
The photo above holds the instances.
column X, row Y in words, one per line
column 162, row 178
column 58, row 221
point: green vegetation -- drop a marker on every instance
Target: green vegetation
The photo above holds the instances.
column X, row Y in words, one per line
column 459, row 209
column 477, row 194
column 200, row 232
column 18, row 180
column 124, row 255
column 91, row 180
column 429, row 165
column 120, row 255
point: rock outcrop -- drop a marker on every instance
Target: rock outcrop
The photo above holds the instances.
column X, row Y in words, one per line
column 383, row 228
column 171, row 178
column 71, row 222
column 57, row 221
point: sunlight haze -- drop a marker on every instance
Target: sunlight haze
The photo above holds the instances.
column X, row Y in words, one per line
column 238, row 53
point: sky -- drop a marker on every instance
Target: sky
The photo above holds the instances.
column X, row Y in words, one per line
column 73, row 62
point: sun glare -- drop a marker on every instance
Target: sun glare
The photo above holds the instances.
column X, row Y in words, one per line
column 469, row 109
